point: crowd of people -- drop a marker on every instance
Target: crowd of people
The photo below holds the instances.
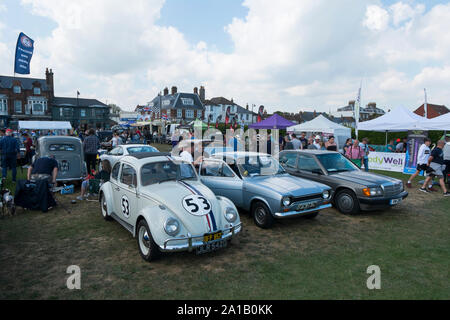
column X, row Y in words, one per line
column 435, row 162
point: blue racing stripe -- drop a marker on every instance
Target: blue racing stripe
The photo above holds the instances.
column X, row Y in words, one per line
column 211, row 214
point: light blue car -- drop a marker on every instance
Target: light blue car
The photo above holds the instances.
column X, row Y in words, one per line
column 257, row 183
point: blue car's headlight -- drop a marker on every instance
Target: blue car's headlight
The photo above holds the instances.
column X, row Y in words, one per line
column 286, row 201
column 326, row 194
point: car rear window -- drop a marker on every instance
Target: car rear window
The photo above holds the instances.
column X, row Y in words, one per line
column 132, row 150
column 62, row 147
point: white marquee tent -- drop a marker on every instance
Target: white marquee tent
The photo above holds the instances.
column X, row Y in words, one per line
column 322, row 124
column 399, row 119
column 439, row 123
column 45, row 125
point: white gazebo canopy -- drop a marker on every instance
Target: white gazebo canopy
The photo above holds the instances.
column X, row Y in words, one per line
column 322, row 124
column 439, row 123
column 45, row 125
column 399, row 119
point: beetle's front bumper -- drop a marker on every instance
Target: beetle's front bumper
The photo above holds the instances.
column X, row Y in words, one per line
column 192, row 242
column 294, row 213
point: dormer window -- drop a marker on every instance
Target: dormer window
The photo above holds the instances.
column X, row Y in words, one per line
column 36, row 90
column 17, row 89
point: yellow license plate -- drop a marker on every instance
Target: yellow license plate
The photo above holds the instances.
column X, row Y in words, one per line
column 212, row 236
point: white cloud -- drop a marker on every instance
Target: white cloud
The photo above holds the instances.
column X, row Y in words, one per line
column 287, row 54
column 377, row 18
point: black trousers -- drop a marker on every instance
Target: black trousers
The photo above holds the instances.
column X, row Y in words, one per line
column 91, row 161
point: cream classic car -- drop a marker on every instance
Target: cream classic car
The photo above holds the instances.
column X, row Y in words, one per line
column 161, row 201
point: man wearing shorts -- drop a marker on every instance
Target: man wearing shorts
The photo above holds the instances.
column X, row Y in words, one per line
column 436, row 168
column 422, row 160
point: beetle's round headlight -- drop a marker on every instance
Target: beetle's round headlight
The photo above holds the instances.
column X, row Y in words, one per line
column 326, row 194
column 286, row 201
column 230, row 214
column 172, row 227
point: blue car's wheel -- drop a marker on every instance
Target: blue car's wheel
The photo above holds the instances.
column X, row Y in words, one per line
column 262, row 216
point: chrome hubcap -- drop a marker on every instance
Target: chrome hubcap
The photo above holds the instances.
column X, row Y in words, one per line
column 144, row 240
column 346, row 202
column 260, row 215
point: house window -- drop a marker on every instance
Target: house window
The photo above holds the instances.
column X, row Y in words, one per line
column 187, row 101
column 199, row 114
column 17, row 89
column 17, row 106
column 83, row 113
column 189, row 114
column 61, row 111
column 36, row 90
column 179, row 113
column 38, row 108
column 3, row 107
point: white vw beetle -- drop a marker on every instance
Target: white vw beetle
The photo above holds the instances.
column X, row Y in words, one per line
column 161, row 201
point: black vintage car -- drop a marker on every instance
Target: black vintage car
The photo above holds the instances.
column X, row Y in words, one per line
column 354, row 189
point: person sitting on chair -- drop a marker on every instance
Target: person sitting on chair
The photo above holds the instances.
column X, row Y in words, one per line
column 103, row 176
column 43, row 168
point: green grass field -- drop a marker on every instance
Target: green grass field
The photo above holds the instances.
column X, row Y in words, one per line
column 324, row 258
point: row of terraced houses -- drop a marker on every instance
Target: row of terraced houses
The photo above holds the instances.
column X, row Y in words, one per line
column 34, row 99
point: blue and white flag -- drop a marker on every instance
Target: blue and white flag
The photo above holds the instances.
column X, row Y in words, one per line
column 24, row 52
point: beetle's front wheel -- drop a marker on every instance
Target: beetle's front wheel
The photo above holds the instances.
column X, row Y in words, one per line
column 147, row 246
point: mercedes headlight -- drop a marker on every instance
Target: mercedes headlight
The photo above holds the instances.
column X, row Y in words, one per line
column 373, row 192
column 172, row 227
column 230, row 214
column 326, row 194
column 286, row 201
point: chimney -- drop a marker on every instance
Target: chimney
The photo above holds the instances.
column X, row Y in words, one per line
column 372, row 105
column 202, row 93
column 352, row 103
column 49, row 82
column 166, row 91
column 174, row 90
column 196, row 90
column 247, row 106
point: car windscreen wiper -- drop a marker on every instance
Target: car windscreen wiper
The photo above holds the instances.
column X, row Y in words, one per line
column 165, row 180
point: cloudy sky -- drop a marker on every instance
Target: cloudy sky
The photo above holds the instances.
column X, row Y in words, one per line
column 285, row 54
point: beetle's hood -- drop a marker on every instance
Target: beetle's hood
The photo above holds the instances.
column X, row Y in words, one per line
column 288, row 185
column 363, row 178
column 171, row 195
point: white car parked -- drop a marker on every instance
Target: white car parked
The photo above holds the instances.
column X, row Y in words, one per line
column 123, row 150
column 161, row 201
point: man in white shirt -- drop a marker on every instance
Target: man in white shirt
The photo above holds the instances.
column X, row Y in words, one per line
column 422, row 160
column 316, row 143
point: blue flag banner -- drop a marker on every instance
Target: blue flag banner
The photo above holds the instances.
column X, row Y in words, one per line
column 24, row 52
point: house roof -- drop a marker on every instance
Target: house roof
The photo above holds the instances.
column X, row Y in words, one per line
column 176, row 101
column 64, row 101
column 26, row 83
column 433, row 110
column 217, row 101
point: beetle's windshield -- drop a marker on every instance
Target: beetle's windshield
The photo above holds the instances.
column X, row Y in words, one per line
column 336, row 162
column 263, row 165
column 158, row 172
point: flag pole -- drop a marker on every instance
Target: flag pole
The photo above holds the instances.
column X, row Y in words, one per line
column 425, row 107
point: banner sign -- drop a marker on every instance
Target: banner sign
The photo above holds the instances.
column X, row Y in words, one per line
column 414, row 143
column 387, row 161
column 24, row 52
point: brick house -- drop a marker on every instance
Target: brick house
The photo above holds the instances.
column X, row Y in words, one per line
column 180, row 107
column 433, row 110
column 25, row 99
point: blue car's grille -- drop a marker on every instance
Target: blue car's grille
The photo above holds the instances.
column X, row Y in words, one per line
column 310, row 197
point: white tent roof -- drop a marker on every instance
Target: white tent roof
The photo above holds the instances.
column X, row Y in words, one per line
column 320, row 124
column 44, row 125
column 399, row 119
column 439, row 123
